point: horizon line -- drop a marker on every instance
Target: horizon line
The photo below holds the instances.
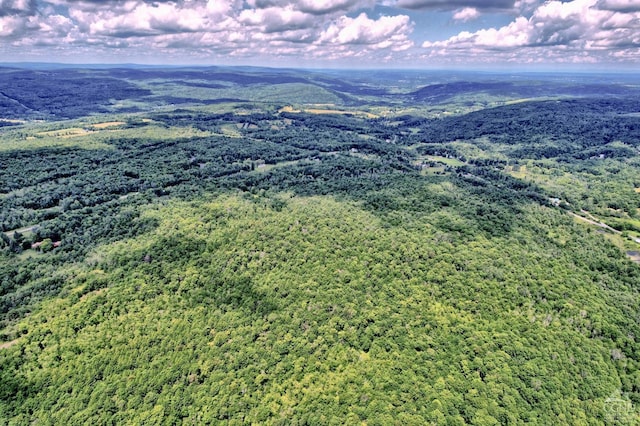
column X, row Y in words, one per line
column 493, row 70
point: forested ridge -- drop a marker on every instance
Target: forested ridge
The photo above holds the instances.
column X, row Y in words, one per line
column 265, row 263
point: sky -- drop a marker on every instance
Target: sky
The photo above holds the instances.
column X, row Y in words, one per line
column 519, row 34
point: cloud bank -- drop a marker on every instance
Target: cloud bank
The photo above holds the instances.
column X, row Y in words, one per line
column 310, row 32
column 574, row 31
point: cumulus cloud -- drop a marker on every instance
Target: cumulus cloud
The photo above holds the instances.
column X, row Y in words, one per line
column 525, row 6
column 466, row 14
column 328, row 30
column 17, row 7
column 577, row 29
column 143, row 20
column 12, row 25
column 139, row 19
column 35, row 30
column 384, row 32
column 205, row 28
column 276, row 26
column 21, row 23
column 272, row 19
column 296, row 21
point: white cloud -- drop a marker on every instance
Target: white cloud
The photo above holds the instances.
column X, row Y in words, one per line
column 11, row 25
column 223, row 28
column 37, row 30
column 578, row 30
column 274, row 19
column 384, row 32
column 56, row 25
column 17, row 7
column 324, row 30
column 466, row 14
column 149, row 19
column 220, row 8
column 514, row 35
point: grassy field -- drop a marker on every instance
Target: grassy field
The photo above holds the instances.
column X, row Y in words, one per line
column 70, row 132
column 263, row 168
column 86, row 135
column 319, row 111
column 108, row 124
column 453, row 162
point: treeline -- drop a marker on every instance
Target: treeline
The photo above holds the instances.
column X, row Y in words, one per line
column 545, row 129
column 60, row 94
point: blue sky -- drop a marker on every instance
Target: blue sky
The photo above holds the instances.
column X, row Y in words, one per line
column 518, row 34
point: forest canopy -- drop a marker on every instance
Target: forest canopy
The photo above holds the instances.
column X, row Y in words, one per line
column 444, row 253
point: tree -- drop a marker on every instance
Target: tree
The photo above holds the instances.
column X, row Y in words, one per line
column 46, row 245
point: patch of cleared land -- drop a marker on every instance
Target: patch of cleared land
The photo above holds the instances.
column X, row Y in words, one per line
column 453, row 162
column 289, row 108
column 25, row 231
column 519, row 101
column 108, row 124
column 625, row 244
column 6, row 345
column 266, row 167
column 634, row 256
column 594, row 222
column 337, row 111
column 319, row 111
column 71, row 132
column 230, row 130
column 369, row 157
column 519, row 172
column 77, row 137
column 427, row 171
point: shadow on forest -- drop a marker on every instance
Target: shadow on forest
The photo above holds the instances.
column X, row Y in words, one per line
column 489, row 201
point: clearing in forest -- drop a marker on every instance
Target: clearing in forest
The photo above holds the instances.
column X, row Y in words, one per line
column 6, row 345
column 320, row 111
column 108, row 124
column 71, row 132
column 634, row 256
